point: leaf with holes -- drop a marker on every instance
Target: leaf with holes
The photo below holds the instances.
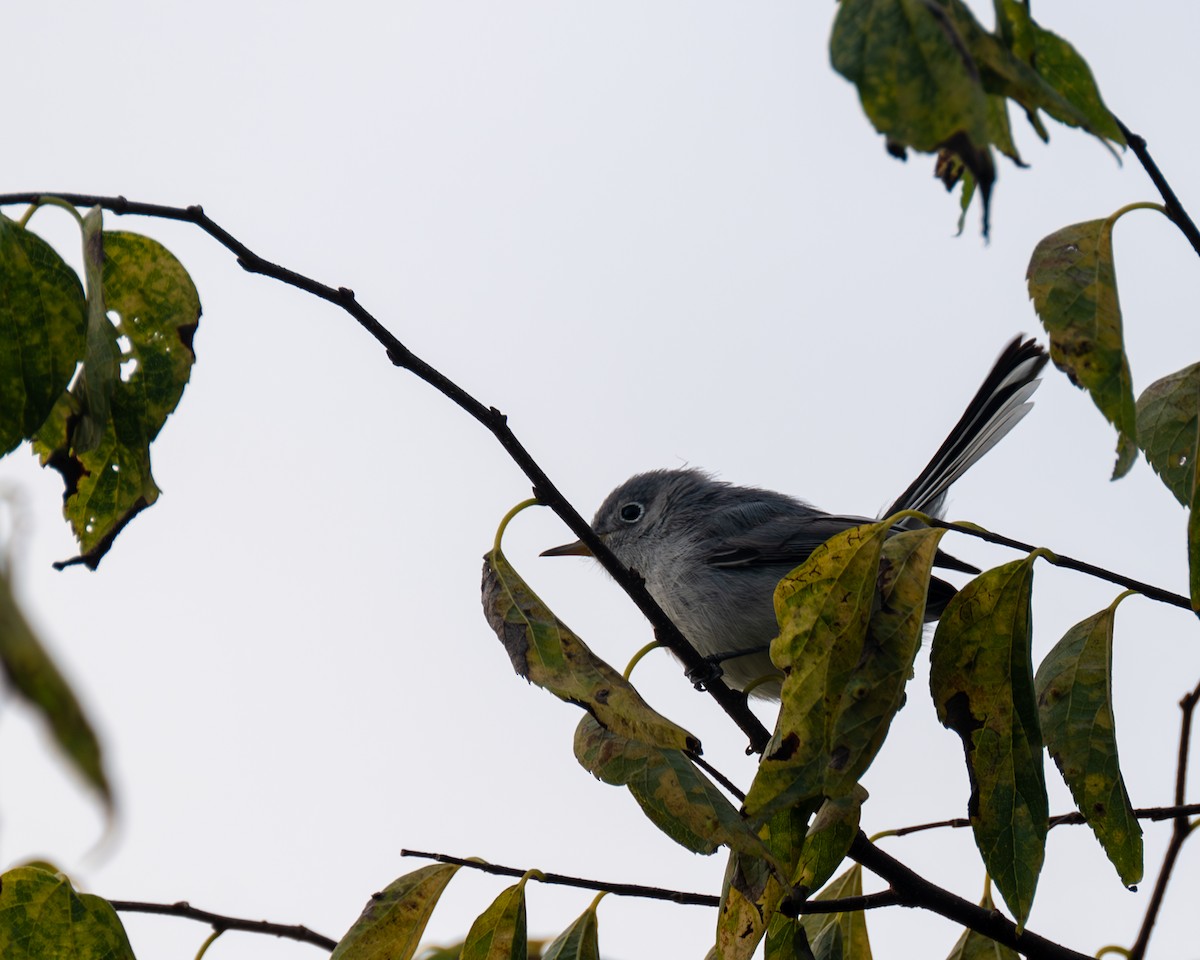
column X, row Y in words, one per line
column 43, row 918
column 1074, row 690
column 981, row 678
column 43, row 318
column 391, row 924
column 546, row 652
column 1073, row 283
column 157, row 311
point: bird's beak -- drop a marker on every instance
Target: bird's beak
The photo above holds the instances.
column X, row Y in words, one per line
column 576, row 549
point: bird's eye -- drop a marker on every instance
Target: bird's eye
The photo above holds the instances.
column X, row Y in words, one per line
column 632, row 512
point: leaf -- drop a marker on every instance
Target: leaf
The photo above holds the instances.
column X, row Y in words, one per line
column 1073, row 283
column 851, row 928
column 1168, row 417
column 1074, row 690
column 544, row 651
column 32, row 674
column 580, row 941
column 916, row 79
column 981, row 678
column 42, row 322
column 392, row 922
column 1062, row 67
column 975, row 946
column 677, row 797
column 832, row 831
column 100, row 364
column 499, row 932
column 752, row 891
column 43, row 918
column 158, row 309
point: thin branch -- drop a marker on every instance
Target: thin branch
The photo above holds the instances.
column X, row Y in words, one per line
column 732, row 788
column 1175, row 210
column 732, row 702
column 219, row 922
column 914, row 890
column 1061, row 819
column 1180, row 830
column 563, row 880
column 869, row 901
column 1058, row 560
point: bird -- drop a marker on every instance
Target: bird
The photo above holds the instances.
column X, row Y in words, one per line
column 711, row 553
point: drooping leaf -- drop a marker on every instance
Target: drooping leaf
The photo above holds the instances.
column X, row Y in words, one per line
column 33, row 675
column 1074, row 689
column 544, row 651
column 672, row 792
column 392, row 922
column 975, row 946
column 1168, row 417
column 43, row 918
column 99, row 374
column 832, row 831
column 580, row 941
column 851, row 927
column 157, row 311
column 1073, row 283
column 499, row 932
column 981, row 678
column 1062, row 67
column 42, row 322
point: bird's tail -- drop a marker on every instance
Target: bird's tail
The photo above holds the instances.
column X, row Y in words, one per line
column 996, row 408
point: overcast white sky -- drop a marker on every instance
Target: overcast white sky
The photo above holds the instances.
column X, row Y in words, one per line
column 653, row 234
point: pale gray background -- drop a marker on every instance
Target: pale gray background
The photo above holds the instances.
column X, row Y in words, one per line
column 652, row 233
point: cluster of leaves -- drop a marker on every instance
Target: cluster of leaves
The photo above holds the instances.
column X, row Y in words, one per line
column 850, row 621
column 932, row 79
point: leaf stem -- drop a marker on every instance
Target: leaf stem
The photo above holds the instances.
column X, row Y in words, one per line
column 637, row 657
column 507, row 518
column 50, row 202
column 207, row 943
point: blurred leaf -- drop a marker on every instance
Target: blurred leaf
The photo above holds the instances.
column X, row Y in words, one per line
column 981, row 678
column 158, row 310
column 32, row 674
column 43, row 918
column 677, row 797
column 98, row 377
column 1073, row 283
column 1074, row 690
column 392, row 922
column 839, row 934
column 832, row 831
column 1062, row 67
column 544, row 651
column 1193, row 535
column 499, row 932
column 975, row 946
column 43, row 317
column 1168, row 414
column 580, row 941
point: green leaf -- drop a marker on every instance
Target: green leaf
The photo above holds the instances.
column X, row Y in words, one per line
column 43, row 918
column 916, row 79
column 975, row 946
column 32, row 674
column 832, row 831
column 1073, row 283
column 544, row 651
column 499, row 932
column 392, row 922
column 580, row 941
column 1168, row 417
column 158, row 309
column 43, row 317
column 981, row 678
column 1062, row 67
column 99, row 374
column 1074, row 690
column 851, row 928
column 673, row 793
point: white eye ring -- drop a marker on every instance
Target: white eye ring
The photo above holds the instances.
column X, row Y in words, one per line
column 631, row 512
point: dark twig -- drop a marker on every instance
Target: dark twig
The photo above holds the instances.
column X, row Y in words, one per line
column 1061, row 819
column 732, row 702
column 1175, row 210
column 220, row 923
column 729, row 785
column 1058, row 560
column 914, row 890
column 1180, row 829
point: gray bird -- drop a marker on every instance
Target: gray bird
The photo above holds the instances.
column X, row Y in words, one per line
column 712, row 553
